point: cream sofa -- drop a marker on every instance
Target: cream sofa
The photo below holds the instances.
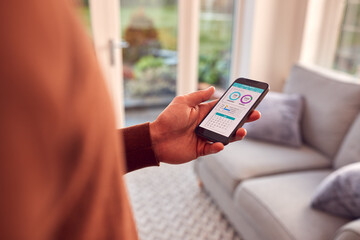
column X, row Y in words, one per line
column 265, row 189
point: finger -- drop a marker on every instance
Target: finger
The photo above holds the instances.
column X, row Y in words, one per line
column 240, row 134
column 255, row 115
column 211, row 148
column 198, row 97
column 206, row 107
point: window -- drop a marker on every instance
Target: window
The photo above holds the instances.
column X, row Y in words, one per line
column 347, row 55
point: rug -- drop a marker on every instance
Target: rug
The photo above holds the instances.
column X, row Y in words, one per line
column 168, row 204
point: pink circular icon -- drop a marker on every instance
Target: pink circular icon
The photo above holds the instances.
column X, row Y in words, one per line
column 246, row 99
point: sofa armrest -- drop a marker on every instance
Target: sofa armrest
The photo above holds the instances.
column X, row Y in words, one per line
column 350, row 231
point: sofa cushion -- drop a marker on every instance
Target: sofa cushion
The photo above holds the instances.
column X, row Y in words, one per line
column 280, row 206
column 339, row 193
column 249, row 158
column 349, row 151
column 280, row 119
column 330, row 106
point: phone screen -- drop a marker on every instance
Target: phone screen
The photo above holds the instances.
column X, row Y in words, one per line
column 231, row 109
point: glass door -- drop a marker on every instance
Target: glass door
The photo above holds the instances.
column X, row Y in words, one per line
column 152, row 50
column 149, row 51
column 216, row 31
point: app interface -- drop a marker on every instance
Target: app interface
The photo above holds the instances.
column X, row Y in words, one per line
column 227, row 113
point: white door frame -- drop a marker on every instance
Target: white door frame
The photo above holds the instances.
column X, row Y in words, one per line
column 105, row 24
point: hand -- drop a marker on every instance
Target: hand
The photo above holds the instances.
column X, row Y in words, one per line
column 173, row 132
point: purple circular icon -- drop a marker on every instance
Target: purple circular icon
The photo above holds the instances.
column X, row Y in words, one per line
column 246, row 99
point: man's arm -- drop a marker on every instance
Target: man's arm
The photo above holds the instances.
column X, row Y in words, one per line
column 138, row 147
column 171, row 137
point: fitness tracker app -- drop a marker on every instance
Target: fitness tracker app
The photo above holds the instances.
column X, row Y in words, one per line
column 231, row 109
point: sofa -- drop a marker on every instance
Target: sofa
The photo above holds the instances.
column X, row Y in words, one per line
column 265, row 189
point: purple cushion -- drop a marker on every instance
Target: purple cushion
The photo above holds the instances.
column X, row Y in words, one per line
column 280, row 119
column 339, row 193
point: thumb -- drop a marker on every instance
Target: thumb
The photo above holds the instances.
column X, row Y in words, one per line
column 198, row 97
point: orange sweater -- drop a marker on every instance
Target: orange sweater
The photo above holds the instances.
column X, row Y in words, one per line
column 61, row 159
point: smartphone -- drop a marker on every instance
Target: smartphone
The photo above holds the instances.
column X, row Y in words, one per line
column 232, row 110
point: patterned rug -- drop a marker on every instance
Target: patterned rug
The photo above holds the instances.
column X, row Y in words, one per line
column 168, row 204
